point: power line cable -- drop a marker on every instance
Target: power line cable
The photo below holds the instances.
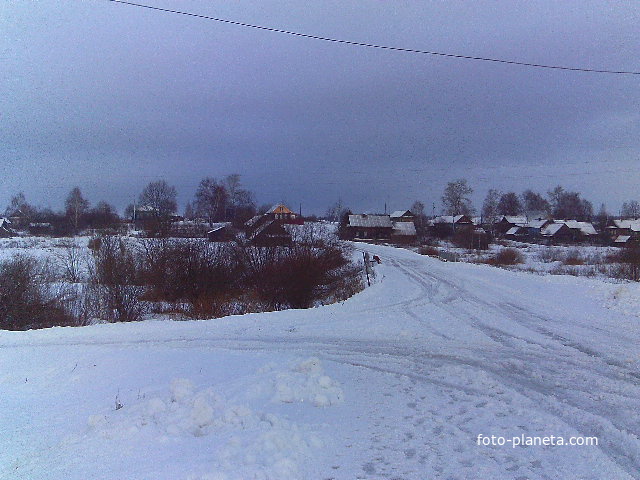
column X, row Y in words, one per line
column 381, row 47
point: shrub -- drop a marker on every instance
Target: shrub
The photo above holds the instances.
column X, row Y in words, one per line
column 573, row 258
column 26, row 301
column 428, row 250
column 506, row 256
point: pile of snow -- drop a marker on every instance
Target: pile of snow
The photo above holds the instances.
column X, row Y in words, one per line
column 305, row 381
column 249, row 444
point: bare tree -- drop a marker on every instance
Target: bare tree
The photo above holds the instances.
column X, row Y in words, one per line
column 490, row 207
column 630, row 209
column 75, row 206
column 535, row 204
column 211, row 200
column 160, row 198
column 456, row 198
column 509, row 204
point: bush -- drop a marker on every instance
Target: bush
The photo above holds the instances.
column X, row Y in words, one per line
column 428, row 250
column 26, row 301
column 506, row 256
column 573, row 258
column 116, row 290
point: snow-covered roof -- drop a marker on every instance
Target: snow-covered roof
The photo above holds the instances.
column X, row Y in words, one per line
column 218, row 226
column 536, row 223
column 279, row 208
column 404, row 228
column 585, row 228
column 552, row 229
column 513, row 230
column 516, row 220
column 364, row 220
column 633, row 225
column 622, row 239
column 253, row 220
column 448, row 219
column 401, row 213
column 4, row 223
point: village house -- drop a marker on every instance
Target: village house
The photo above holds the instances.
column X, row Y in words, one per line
column 5, row 228
column 221, row 232
column 268, row 229
column 447, row 225
column 370, row 227
column 624, row 228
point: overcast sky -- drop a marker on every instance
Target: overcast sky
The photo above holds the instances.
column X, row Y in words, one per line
column 108, row 97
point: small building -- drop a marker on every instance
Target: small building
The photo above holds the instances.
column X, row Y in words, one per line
column 624, row 228
column 5, row 228
column 270, row 234
column 221, row 232
column 188, row 229
column 370, row 227
column 284, row 215
column 581, row 231
column 557, row 233
column 404, row 232
column 402, row 216
column 507, row 222
column 446, row 225
column 627, row 241
column 40, row 229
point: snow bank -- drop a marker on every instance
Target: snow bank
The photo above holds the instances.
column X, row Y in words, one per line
column 305, row 381
column 248, row 444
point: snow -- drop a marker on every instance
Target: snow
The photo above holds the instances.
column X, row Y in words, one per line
column 396, row 382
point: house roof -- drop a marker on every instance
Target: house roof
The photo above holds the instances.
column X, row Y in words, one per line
column 451, row 219
column 280, row 208
column 401, row 213
column 622, row 239
column 253, row 220
column 552, row 229
column 633, row 225
column 536, row 223
column 404, row 228
column 585, row 227
column 513, row 230
column 516, row 220
column 218, row 226
column 383, row 221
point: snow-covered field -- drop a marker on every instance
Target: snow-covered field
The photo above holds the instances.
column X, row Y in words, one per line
column 576, row 260
column 396, row 382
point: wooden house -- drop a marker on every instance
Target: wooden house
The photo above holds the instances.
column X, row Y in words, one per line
column 447, row 225
column 402, row 216
column 284, row 215
column 370, row 227
column 221, row 232
column 5, row 228
column 270, row 233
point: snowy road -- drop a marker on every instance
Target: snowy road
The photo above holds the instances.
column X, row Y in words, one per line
column 397, row 382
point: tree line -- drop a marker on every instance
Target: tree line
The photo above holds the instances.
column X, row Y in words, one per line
column 215, row 200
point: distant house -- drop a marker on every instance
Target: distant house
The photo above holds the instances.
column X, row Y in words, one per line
column 268, row 230
column 507, row 222
column 404, row 232
column 5, row 228
column 40, row 229
column 284, row 215
column 221, row 232
column 628, row 241
column 370, row 227
column 188, row 229
column 557, row 233
column 270, row 233
column 447, row 225
column 582, row 231
column 402, row 216
column 630, row 228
